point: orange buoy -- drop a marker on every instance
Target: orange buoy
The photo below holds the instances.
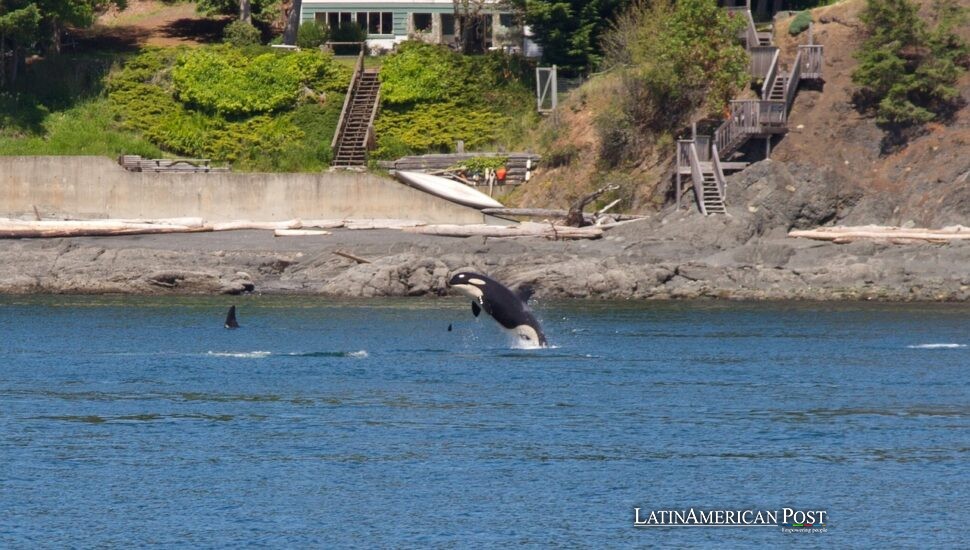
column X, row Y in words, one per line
column 500, row 173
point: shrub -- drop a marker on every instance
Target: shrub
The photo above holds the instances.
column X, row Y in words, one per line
column 674, row 59
column 800, row 23
column 433, row 97
column 311, row 35
column 241, row 118
column 241, row 33
column 228, row 82
column 347, row 32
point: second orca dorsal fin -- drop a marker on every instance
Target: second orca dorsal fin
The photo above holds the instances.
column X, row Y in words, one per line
column 231, row 318
column 525, row 292
column 476, row 310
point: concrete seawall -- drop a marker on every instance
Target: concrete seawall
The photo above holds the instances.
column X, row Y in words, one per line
column 97, row 187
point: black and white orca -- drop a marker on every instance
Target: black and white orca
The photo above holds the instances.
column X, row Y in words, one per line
column 231, row 318
column 508, row 308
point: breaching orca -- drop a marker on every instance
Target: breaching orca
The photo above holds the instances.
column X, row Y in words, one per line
column 508, row 308
column 231, row 318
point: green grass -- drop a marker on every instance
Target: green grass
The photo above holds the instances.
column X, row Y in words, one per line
column 87, row 128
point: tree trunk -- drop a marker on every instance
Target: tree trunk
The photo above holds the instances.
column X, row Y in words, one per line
column 245, row 11
column 293, row 23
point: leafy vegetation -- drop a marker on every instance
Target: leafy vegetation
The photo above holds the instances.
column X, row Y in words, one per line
column 311, row 34
column 432, row 97
column 800, row 23
column 675, row 59
column 348, row 32
column 908, row 70
column 258, row 110
column 240, row 33
column 570, row 31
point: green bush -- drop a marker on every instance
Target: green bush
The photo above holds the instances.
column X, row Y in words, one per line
column 800, row 23
column 433, row 97
column 228, row 82
column 265, row 111
column 241, row 33
column 675, row 60
column 311, row 35
column 348, row 32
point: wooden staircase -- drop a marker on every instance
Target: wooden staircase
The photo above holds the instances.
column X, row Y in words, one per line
column 710, row 194
column 355, row 131
column 701, row 156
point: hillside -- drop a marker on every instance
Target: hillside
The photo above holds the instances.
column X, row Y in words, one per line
column 924, row 182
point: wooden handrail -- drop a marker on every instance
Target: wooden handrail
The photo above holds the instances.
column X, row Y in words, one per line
column 771, row 76
column 793, row 79
column 370, row 139
column 761, row 58
column 358, row 69
column 718, row 172
column 698, row 177
column 812, row 60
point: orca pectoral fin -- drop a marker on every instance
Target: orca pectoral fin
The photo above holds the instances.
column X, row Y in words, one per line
column 476, row 310
column 525, row 292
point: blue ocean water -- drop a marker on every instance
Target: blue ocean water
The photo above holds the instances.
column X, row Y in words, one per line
column 321, row 423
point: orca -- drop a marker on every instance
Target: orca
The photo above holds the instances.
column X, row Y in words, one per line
column 231, row 318
column 508, row 308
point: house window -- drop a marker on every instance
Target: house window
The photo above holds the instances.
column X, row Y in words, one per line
column 447, row 24
column 345, row 17
column 333, row 20
column 422, row 22
column 362, row 19
column 387, row 23
column 505, row 20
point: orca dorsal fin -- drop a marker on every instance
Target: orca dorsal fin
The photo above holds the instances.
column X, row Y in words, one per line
column 476, row 310
column 525, row 292
column 231, row 318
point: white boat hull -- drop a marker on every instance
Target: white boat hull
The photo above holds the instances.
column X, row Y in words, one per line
column 447, row 189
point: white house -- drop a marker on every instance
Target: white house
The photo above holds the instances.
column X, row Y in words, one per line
column 391, row 21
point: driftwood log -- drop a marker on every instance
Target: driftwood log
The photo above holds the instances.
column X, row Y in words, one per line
column 17, row 229
column 575, row 217
column 896, row 235
column 299, row 232
column 527, row 229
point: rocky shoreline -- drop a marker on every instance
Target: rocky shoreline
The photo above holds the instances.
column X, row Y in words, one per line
column 671, row 255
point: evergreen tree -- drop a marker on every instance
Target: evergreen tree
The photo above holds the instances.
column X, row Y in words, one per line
column 569, row 31
column 908, row 71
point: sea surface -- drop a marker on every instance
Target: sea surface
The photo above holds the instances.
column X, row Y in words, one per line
column 129, row 422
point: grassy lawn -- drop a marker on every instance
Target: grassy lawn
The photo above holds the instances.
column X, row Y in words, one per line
column 86, row 128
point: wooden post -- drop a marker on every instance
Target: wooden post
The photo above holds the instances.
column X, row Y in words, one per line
column 460, row 146
column 678, row 181
column 768, row 147
column 555, row 87
column 811, row 37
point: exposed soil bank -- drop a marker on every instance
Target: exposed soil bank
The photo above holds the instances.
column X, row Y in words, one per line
column 745, row 255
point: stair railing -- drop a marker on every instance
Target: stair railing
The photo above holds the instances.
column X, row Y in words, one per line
column 791, row 87
column 697, row 176
column 771, row 75
column 761, row 59
column 341, row 122
column 718, row 172
column 811, row 61
column 371, row 139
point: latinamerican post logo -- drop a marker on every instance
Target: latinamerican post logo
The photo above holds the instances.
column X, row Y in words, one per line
column 790, row 520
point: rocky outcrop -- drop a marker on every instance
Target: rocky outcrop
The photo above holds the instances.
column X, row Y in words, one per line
column 745, row 254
